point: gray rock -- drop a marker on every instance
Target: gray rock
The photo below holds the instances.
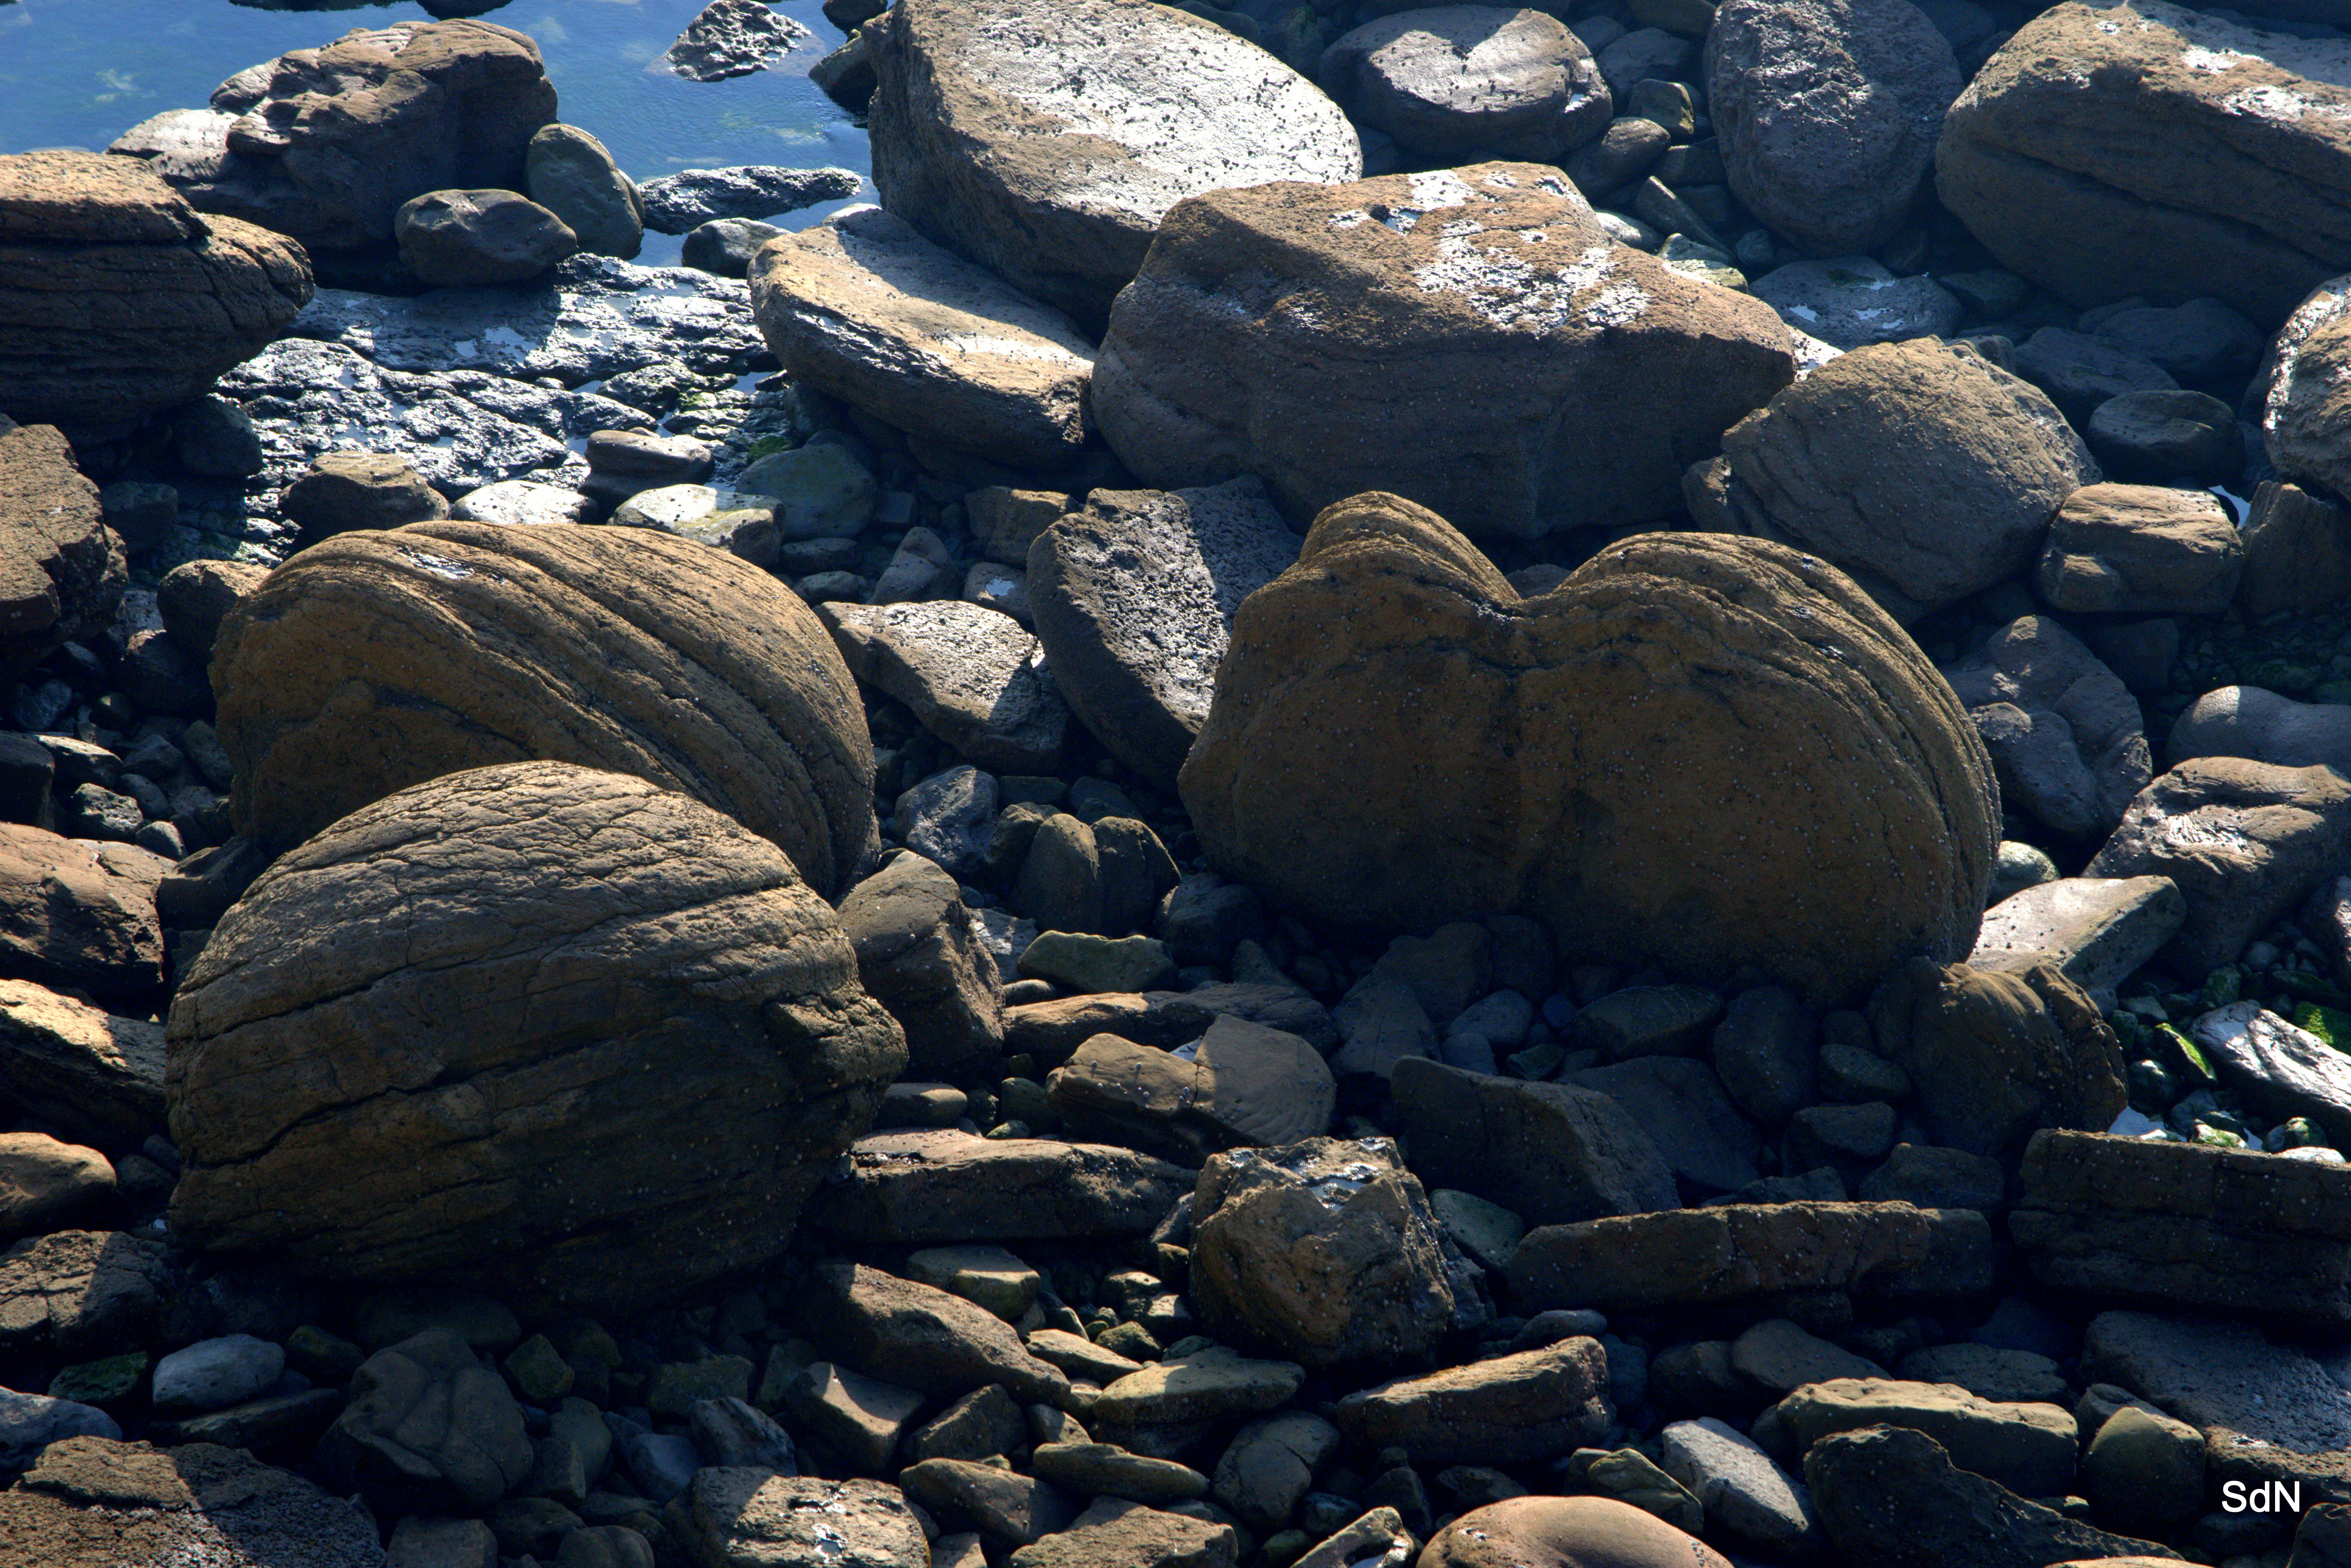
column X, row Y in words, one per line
column 724, row 247
column 1241, row 1084
column 1134, row 597
column 458, row 239
column 2097, row 930
column 749, row 1516
column 1551, row 1153
column 2080, row 371
column 1382, row 1024
column 31, row 1422
column 1269, row 1465
column 1680, row 1102
column 569, row 173
column 74, row 1292
column 521, row 503
column 2166, row 437
column 1827, row 112
column 2021, row 865
column 1926, row 1175
column 2201, row 341
column 1645, row 54
column 2247, row 721
column 730, row 1432
column 427, row 1424
column 1005, row 164
column 1456, row 82
column 2145, row 1472
column 2066, row 735
column 677, row 202
column 1746, row 1496
column 1991, row 1371
column 1851, row 300
column 973, row 676
column 1645, row 1020
column 2142, row 549
column 2282, row 1069
column 215, row 1374
column 861, row 1418
column 1764, row 1050
column 2297, row 551
column 921, row 1337
column 732, row 39
column 947, row 817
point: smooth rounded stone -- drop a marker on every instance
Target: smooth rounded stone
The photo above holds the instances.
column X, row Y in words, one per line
column 1780, row 1358
column 2029, row 1449
column 1456, row 81
column 2097, row 931
column 46, row 1184
column 1826, row 112
column 1104, row 1469
column 2020, row 866
column 1852, row 300
column 1680, row 1104
column 1994, row 1056
column 90, row 1501
column 975, row 677
column 2159, row 436
column 1322, row 1251
column 865, row 309
column 513, row 503
column 726, row 247
column 216, row 438
column 569, row 173
column 820, row 491
column 732, row 39
column 922, row 569
column 325, row 144
column 120, row 300
column 1627, row 150
column 1093, row 965
column 1242, row 1083
column 347, row 490
column 2141, row 548
column 2097, row 190
column 215, row 1374
column 1135, row 596
column 2247, row 721
column 1546, row 1532
column 2278, row 1066
column 921, row 1337
column 1492, row 290
column 667, row 887
column 752, row 1518
column 1983, row 462
column 916, row 955
column 1387, row 597
column 1510, row 1409
column 80, row 915
column 457, row 239
column 644, row 455
column 2201, row 341
column 1746, row 1496
column 2145, row 1473
column 475, row 644
column 2241, row 840
column 29, row 1423
column 65, row 570
column 677, row 203
column 2011, row 1377
column 2081, row 371
column 2065, row 733
column 1056, row 177
column 1554, row 1153
column 1893, row 1496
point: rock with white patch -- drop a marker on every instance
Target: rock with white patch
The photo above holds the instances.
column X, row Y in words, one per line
column 974, row 676
column 1471, row 339
column 1462, row 81
column 1850, row 300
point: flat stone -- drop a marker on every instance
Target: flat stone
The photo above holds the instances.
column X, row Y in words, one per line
column 975, row 677
column 520, row 502
column 214, row 1373
column 1203, row 1386
column 862, row 1417
column 1520, row 1408
column 2141, row 548
column 2029, row 1449
column 1553, row 1152
column 1990, row 1372
column 922, row 1337
column 1852, row 300
column 989, row 1276
column 90, row 1501
column 748, row 1518
column 1104, row 1469
column 1243, row 1084
column 75, row 1291
column 1270, row 1464
column 947, row 1186
column 2098, row 931
column 1114, row 1533
column 1746, row 1496
column 1082, row 961
column 1009, row 1508
column 2286, row 1070
column 1781, row 1357
column 1051, row 1030
column 1080, row 1357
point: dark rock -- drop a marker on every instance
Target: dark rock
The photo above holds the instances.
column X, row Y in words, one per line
column 2141, row 548
column 724, row 247
column 915, row 956
column 90, row 1503
column 2297, row 551
column 2065, row 736
column 64, row 569
column 1551, row 1153
column 921, row 1337
column 732, row 39
column 571, row 174
column 1461, row 81
column 678, row 203
column 73, row 1293
column 2080, row 372
column 194, row 597
column 1509, row 1409
column 949, row 1186
column 347, row 490
column 457, row 239
column 2167, row 436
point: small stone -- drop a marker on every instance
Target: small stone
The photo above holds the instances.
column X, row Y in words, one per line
column 676, row 1386
column 539, row 1374
column 1103, row 1469
column 730, row 1431
column 1093, row 965
column 990, row 1276
column 214, row 1373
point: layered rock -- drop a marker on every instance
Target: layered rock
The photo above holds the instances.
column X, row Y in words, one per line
column 2141, row 548
column 1460, row 81
column 374, row 661
column 2145, row 149
column 325, row 144
column 1470, row 340
column 62, row 569
column 1046, row 146
column 79, row 913
column 1827, row 112
column 556, row 1029
column 116, row 300
column 1597, row 755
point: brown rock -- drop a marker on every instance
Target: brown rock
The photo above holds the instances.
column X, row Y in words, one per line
column 347, row 490
column 47, row 1186
column 90, row 1502
column 1565, row 1532
column 1517, row 1409
column 1551, row 1152
column 116, row 300
column 1051, row 1030
column 75, row 1292
column 194, row 597
column 1115, row 1533
column 2141, row 548
column 1460, row 81
column 947, row 1186
column 97, row 1076
column 1583, row 756
column 1244, row 1084
column 921, row 1337
column 916, row 955
column 79, row 913
column 2300, row 399
column 61, row 568
column 2028, row 1448
column 1470, row 340
column 2297, row 551
column 375, row 661
column 739, row 1517
column 558, row 1033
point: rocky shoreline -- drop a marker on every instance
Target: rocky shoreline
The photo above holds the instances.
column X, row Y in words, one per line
column 1442, row 788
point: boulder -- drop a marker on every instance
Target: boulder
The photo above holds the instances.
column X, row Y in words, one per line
column 1462, row 81
column 2028, row 1448
column 2297, row 551
column 1995, row 1057
column 1471, row 339
column 950, row 1186
column 2067, row 738
column 347, row 490
column 1545, row 1531
column 1504, row 783
column 1240, row 1083
column 916, row 955
column 2242, row 840
column 2096, row 931
column 62, row 569
column 95, row 1502
column 974, row 678
column 459, row 239
column 1205, row 1385
column 46, row 1185
column 2168, row 437
column 569, row 173
column 2108, row 151
column 430, row 1426
column 1134, row 595
column 75, row 1295
column 732, row 39
column 2297, row 396
column 595, row 1021
column 863, row 308
column 96, row 1076
column 2248, row 722
column 1923, row 471
column 2142, row 549
column 919, row 1337
column 1513, row 1409
column 2186, row 1225
column 374, row 661
column 1551, row 1152
column 692, row 197
column 1322, row 1251
column 1827, row 111
column 1055, row 179
column 117, row 300
column 80, row 914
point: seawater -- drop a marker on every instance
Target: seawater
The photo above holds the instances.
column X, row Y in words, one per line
column 78, row 73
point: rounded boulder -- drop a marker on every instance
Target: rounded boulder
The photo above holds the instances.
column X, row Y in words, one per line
column 377, row 660
column 544, row 1030
column 1705, row 750
column 1565, row 1532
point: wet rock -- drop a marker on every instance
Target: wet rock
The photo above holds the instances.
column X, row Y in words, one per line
column 90, row 1501
column 1242, row 1083
column 946, row 1186
column 2282, row 1069
column 749, row 1518
column 121, row 301
column 2097, row 931
column 732, row 39
column 1001, row 165
column 774, row 734
column 2242, row 840
column 1493, row 287
column 1555, row 1153
column 80, row 915
column 1508, row 1410
column 2142, row 549
column 724, row 247
column 677, row 202
column 458, row 239
column 1387, row 597
column 862, row 307
column 569, row 173
column 974, row 678
column 545, row 1084
column 1460, row 81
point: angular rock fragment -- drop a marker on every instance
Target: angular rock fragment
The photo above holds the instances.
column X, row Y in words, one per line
column 1512, row 1409
column 974, row 676
column 1239, row 1084
column 1552, row 1153
column 946, row 1186
column 2097, row 931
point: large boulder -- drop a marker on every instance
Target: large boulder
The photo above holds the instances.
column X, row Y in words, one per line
column 1702, row 750
column 548, row 1031
column 1465, row 81
column 1923, row 472
column 1471, row 339
column 62, row 571
column 375, row 661
column 862, row 307
column 2145, row 148
column 325, row 144
column 1046, row 145
column 1827, row 111
column 1546, row 1532
column 116, row 300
